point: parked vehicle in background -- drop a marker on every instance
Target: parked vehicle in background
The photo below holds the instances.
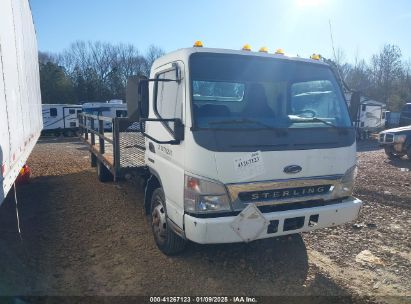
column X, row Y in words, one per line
column 60, row 119
column 405, row 118
column 369, row 116
column 112, row 108
column 20, row 99
column 232, row 146
column 396, row 142
column 392, row 119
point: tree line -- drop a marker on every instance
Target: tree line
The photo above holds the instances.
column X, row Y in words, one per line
column 385, row 77
column 98, row 71
column 92, row 71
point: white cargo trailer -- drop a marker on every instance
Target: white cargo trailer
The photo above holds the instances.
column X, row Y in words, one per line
column 112, row 108
column 368, row 116
column 20, row 99
column 60, row 118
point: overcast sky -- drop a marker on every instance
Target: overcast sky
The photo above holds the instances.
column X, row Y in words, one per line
column 298, row 26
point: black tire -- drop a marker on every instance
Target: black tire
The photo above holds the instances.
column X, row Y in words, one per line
column 392, row 155
column 166, row 239
column 409, row 152
column 104, row 175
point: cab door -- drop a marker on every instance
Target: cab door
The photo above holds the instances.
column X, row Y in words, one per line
column 166, row 160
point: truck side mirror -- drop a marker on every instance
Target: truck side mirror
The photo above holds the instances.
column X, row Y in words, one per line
column 143, row 97
column 178, row 130
column 354, row 108
column 137, row 97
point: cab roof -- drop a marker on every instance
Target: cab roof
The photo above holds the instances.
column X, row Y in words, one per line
column 184, row 55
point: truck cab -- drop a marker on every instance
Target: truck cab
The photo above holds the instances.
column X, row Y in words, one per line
column 243, row 145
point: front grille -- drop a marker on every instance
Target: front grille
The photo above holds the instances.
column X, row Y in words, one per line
column 278, row 194
column 389, row 138
column 386, row 138
column 298, row 205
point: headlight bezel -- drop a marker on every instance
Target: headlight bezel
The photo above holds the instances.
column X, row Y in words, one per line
column 400, row 138
column 205, row 196
column 347, row 182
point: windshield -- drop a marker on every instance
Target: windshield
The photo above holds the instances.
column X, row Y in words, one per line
column 237, row 92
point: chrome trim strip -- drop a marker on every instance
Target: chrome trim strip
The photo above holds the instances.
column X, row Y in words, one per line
column 235, row 189
column 327, row 177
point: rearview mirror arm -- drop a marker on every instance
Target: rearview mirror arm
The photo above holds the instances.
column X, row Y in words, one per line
column 142, row 130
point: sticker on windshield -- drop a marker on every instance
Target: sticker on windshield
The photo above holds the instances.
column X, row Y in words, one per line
column 250, row 165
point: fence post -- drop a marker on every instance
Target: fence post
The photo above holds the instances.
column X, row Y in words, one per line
column 116, row 145
column 101, row 132
column 93, row 137
column 85, row 129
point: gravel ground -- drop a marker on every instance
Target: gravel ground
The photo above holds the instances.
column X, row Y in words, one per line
column 82, row 237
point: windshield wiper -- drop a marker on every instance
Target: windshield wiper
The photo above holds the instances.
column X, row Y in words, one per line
column 324, row 122
column 316, row 119
column 240, row 122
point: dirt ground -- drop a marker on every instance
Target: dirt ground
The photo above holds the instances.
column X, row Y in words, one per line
column 82, row 237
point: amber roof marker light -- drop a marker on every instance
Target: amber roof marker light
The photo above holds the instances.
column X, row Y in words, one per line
column 246, row 47
column 315, row 56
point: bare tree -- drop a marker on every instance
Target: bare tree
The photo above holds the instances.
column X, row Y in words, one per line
column 386, row 69
column 152, row 54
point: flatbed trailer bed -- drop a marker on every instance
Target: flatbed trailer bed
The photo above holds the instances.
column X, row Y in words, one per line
column 121, row 150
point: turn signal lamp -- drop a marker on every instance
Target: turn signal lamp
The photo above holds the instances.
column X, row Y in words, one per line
column 264, row 49
column 198, row 43
column 193, row 183
column 247, row 47
column 279, row 52
column 315, row 56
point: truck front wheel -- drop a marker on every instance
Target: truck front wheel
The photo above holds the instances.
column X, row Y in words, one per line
column 392, row 155
column 166, row 239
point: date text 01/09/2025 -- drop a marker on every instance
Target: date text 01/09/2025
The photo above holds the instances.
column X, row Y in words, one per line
column 205, row 299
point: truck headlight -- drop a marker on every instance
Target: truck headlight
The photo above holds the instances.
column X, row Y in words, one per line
column 347, row 181
column 203, row 196
column 400, row 138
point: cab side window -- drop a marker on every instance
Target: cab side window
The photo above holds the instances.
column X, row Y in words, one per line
column 168, row 97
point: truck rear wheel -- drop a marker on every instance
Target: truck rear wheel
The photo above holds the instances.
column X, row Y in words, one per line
column 104, row 175
column 392, row 155
column 166, row 239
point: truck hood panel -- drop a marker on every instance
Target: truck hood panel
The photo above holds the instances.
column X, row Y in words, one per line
column 269, row 165
column 396, row 130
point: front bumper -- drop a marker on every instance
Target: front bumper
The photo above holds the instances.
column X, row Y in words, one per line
column 394, row 147
column 219, row 230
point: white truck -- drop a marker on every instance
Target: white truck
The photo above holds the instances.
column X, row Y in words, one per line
column 232, row 146
column 60, row 119
column 20, row 100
